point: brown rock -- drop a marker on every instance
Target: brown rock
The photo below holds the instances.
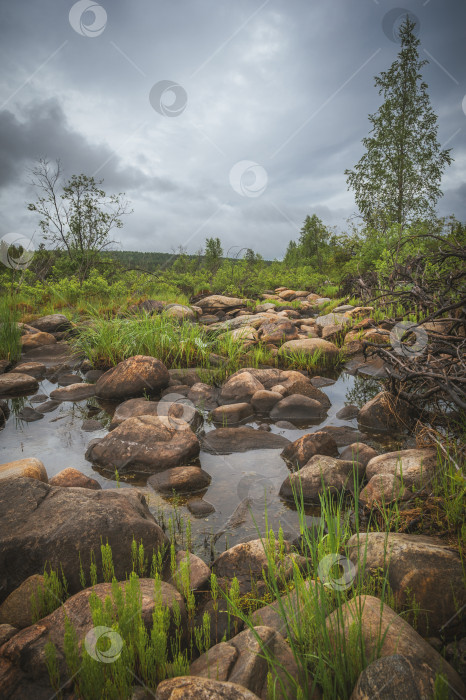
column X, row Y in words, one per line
column 418, row 567
column 263, row 401
column 217, row 302
column 70, row 477
column 43, row 524
column 31, row 341
column 395, row 677
column 310, row 346
column 358, row 452
column 52, row 323
column 73, row 392
column 278, row 332
column 16, row 384
column 299, row 452
column 414, row 467
column 321, row 472
column 34, row 369
column 17, row 610
column 383, row 489
column 192, row 688
column 385, row 633
column 145, row 444
column 30, row 467
column 385, row 413
column 180, row 479
column 232, row 414
column 239, row 388
column 224, row 441
column 135, row 376
column 298, row 408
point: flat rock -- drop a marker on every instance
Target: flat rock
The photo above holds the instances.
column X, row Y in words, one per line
column 310, row 346
column 71, row 477
column 345, row 435
column 203, row 396
column 30, row 467
column 184, row 376
column 16, row 384
column 35, row 369
column 38, row 398
column 227, row 440
column 89, row 425
column 384, row 633
column 73, row 392
column 332, row 319
column 68, row 378
column 43, row 524
column 180, row 479
column 321, row 472
column 145, row 444
column 298, row 408
column 48, row 406
column 217, row 302
column 56, row 355
column 135, row 376
column 420, row 566
column 278, row 332
column 299, row 452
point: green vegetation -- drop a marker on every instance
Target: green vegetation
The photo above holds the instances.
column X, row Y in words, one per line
column 10, row 334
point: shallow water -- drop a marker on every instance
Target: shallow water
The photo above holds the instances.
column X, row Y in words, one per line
column 59, row 442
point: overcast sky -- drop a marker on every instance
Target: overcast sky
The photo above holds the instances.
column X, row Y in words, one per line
column 270, row 108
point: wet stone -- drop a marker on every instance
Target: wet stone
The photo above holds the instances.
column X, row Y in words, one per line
column 89, row 425
column 29, row 415
column 48, row 406
column 348, row 413
column 38, row 398
column 200, row 508
column 68, row 379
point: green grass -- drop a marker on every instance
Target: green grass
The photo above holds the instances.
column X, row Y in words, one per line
column 10, row 334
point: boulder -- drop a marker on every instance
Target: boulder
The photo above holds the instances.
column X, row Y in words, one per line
column 217, row 302
column 180, row 479
column 383, row 489
column 29, row 415
column 298, row 408
column 395, row 677
column 347, row 412
column 69, row 478
column 321, row 472
column 243, row 660
column 145, row 444
column 35, row 369
column 6, row 633
column 73, row 392
column 299, row 452
column 320, row 382
column 345, row 435
column 278, row 332
column 18, row 608
column 239, row 388
column 223, row 441
column 186, row 376
column 23, row 665
column 135, row 376
column 174, row 406
column 133, row 408
column 384, row 633
column 419, row 567
column 69, row 378
column 232, row 414
column 203, row 396
column 245, row 334
column 309, row 347
column 89, row 425
column 180, row 312
column 414, row 467
column 385, row 413
column 52, row 323
column 192, row 688
column 29, row 467
column 358, row 452
column 333, row 319
column 302, row 386
column 247, row 561
column 287, row 614
column 16, row 384
column 199, row 572
column 43, row 524
column 263, row 401
column 31, row 341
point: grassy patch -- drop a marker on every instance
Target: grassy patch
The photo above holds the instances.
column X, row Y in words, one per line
column 10, row 334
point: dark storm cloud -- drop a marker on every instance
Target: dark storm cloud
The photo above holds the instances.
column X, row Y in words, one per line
column 286, row 85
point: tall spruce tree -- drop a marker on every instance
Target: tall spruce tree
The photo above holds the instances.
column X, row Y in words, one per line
column 398, row 178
